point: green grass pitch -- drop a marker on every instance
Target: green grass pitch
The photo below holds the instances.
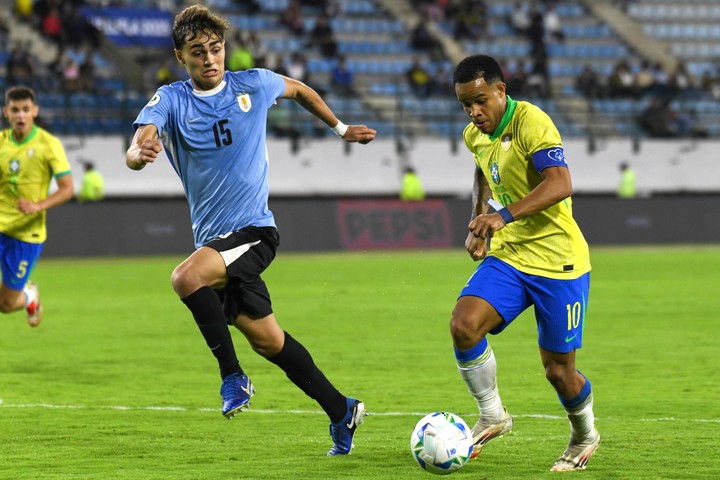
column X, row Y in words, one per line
column 117, row 382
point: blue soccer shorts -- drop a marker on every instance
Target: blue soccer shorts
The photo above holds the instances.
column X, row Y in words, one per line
column 560, row 305
column 17, row 260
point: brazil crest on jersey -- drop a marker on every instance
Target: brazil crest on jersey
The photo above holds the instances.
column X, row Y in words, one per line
column 215, row 141
column 26, row 169
column 548, row 243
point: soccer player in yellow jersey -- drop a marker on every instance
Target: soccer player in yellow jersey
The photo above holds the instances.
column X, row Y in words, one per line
column 29, row 158
column 532, row 253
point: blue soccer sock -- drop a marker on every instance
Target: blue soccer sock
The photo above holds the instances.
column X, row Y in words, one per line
column 580, row 413
column 478, row 368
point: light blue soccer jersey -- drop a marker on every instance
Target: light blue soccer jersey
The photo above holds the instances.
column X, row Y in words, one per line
column 215, row 141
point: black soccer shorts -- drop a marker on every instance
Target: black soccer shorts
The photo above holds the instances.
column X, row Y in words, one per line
column 247, row 253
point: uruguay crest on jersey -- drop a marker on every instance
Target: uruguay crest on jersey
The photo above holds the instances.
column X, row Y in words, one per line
column 244, row 102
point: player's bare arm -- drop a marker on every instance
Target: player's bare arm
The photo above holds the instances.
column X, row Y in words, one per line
column 311, row 101
column 475, row 245
column 144, row 148
column 554, row 187
column 63, row 193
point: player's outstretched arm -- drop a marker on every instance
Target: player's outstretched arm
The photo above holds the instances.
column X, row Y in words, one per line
column 62, row 194
column 311, row 101
column 144, row 148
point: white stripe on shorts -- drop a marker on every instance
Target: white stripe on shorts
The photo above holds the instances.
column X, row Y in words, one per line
column 231, row 255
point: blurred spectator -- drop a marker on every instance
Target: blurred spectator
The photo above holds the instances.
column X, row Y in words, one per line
column 342, row 78
column 257, row 48
column 621, row 82
column 71, row 76
column 552, row 24
column 627, row 187
column 57, row 66
column 682, row 82
column 280, row 122
column 686, row 124
column 710, row 84
column 644, row 79
column 411, row 188
column 657, row 119
column 276, row 64
column 87, row 77
column 419, row 79
column 516, row 76
column 297, row 67
column 519, row 18
column 19, row 67
column 661, row 85
column 588, row 82
column 240, row 56
column 471, row 21
column 323, row 36
column 536, row 34
column 4, row 34
column 92, row 188
column 291, row 18
column 165, row 75
column 76, row 28
column 51, row 26
column 422, row 39
column 538, row 80
column 24, row 10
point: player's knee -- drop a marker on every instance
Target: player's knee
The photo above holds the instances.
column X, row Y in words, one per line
column 463, row 331
column 558, row 375
column 8, row 305
column 182, row 281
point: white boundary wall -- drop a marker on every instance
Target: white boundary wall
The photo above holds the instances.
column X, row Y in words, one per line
column 324, row 167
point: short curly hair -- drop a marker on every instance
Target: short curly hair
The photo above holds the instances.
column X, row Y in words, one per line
column 478, row 66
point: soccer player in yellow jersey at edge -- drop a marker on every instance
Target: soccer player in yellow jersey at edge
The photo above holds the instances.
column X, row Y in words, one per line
column 30, row 158
column 532, row 253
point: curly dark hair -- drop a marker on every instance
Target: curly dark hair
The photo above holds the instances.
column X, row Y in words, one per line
column 478, row 66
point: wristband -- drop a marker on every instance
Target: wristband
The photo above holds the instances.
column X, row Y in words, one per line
column 340, row 129
column 506, row 215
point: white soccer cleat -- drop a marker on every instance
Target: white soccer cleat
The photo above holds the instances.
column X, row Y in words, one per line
column 34, row 309
column 483, row 432
column 576, row 455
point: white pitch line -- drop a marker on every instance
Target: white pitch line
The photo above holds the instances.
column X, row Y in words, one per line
column 320, row 412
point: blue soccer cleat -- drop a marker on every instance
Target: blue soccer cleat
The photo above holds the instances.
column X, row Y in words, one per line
column 342, row 432
column 236, row 391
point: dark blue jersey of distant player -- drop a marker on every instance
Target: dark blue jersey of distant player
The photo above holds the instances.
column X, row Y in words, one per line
column 215, row 141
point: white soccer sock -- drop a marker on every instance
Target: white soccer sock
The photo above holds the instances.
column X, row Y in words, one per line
column 30, row 295
column 582, row 421
column 481, row 381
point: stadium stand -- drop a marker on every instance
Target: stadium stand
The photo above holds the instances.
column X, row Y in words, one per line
column 376, row 39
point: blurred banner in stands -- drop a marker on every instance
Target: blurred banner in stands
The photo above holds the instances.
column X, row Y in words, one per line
column 132, row 27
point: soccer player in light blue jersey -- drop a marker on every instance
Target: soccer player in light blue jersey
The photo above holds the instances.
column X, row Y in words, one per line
column 213, row 130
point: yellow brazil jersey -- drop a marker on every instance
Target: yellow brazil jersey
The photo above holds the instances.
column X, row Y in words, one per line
column 549, row 243
column 26, row 169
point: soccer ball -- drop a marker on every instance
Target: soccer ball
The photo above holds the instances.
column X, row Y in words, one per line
column 441, row 443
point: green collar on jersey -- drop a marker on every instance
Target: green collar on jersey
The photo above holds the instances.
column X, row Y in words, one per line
column 511, row 105
column 26, row 139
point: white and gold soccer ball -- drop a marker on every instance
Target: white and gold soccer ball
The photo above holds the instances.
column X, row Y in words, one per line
column 441, row 443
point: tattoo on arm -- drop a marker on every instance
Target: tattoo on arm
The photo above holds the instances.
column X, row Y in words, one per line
column 481, row 194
